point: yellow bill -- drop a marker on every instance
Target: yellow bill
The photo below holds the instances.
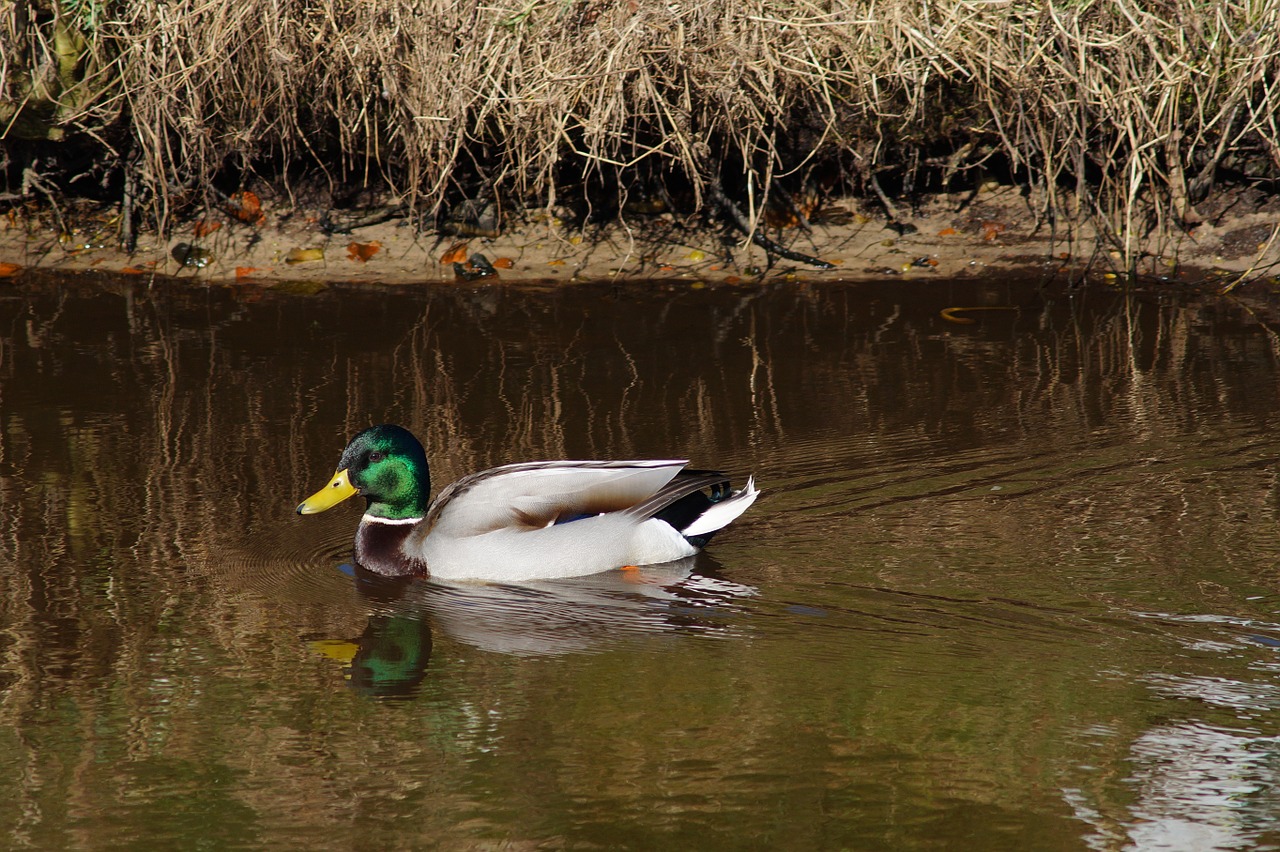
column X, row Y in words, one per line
column 339, row 489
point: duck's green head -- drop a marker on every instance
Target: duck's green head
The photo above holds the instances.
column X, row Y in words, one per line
column 387, row 467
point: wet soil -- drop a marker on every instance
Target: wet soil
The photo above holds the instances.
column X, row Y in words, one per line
column 946, row 236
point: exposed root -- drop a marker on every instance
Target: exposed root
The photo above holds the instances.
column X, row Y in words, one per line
column 757, row 236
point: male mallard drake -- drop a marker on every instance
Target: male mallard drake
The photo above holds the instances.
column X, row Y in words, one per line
column 531, row 521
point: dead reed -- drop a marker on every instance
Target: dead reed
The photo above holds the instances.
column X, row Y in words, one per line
column 1125, row 112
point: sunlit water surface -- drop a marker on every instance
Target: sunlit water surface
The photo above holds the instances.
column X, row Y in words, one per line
column 1012, row 584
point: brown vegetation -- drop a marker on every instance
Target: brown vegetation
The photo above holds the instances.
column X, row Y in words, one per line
column 1127, row 114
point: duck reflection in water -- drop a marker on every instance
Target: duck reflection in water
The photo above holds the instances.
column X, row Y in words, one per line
column 578, row 615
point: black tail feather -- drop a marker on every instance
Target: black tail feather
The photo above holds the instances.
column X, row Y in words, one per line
column 686, row 509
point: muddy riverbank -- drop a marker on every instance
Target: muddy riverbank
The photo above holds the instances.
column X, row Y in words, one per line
column 945, row 237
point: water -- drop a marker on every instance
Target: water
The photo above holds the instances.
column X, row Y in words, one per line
column 1011, row 584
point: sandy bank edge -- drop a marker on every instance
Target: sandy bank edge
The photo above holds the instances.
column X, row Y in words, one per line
column 948, row 237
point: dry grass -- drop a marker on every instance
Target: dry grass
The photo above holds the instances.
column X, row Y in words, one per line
column 1122, row 111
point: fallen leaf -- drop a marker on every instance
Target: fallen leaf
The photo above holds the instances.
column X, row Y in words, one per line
column 952, row 314
column 556, row 262
column 457, row 253
column 205, row 227
column 245, row 271
column 949, row 314
column 133, row 270
column 8, row 270
column 300, row 255
column 363, row 251
column 697, row 254
column 947, row 232
column 503, row 262
column 246, row 207
column 781, row 219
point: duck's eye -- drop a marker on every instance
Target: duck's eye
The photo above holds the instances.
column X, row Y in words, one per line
column 376, row 456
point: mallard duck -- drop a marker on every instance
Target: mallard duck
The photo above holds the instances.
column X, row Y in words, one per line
column 519, row 522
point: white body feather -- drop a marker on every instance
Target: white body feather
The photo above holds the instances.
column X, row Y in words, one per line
column 500, row 525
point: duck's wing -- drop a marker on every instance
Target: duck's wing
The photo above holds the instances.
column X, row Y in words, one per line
column 536, row 494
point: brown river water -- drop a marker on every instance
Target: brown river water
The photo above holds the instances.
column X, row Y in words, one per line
column 1011, row 584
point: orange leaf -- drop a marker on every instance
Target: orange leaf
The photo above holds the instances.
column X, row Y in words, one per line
column 947, row 232
column 503, row 263
column 991, row 230
column 456, row 253
column 246, row 207
column 363, row 251
column 205, row 227
column 245, row 271
column 8, row 270
column 780, row 219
